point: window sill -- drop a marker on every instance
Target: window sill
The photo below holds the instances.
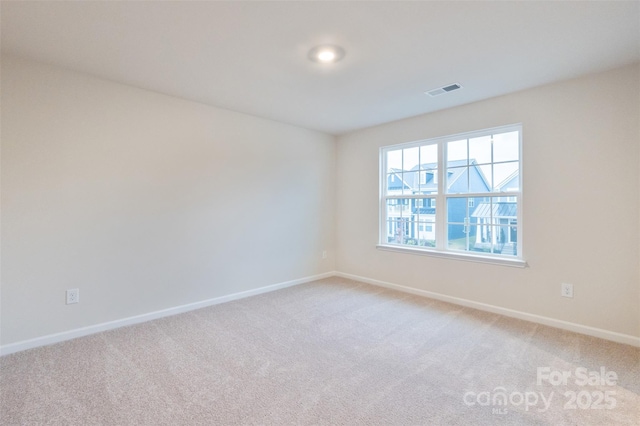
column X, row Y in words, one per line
column 516, row 263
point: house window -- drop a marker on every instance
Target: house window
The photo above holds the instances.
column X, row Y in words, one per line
column 474, row 180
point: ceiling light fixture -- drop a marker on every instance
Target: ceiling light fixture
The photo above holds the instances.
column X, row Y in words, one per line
column 326, row 54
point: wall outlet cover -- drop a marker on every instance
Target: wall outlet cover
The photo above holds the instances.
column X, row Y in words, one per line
column 73, row 296
column 566, row 290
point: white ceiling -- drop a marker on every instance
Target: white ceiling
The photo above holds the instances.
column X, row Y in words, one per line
column 252, row 56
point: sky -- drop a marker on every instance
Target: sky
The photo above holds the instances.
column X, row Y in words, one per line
column 504, row 148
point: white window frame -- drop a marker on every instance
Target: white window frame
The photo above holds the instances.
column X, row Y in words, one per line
column 440, row 250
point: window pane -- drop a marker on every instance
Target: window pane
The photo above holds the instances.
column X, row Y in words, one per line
column 425, row 210
column 411, row 234
column 458, row 237
column 457, row 210
column 503, row 241
column 394, row 161
column 398, row 208
column 480, row 150
column 394, row 183
column 457, row 180
column 482, row 241
column 426, row 234
column 411, row 182
column 511, row 245
column 410, row 222
column 470, row 238
column 429, row 156
column 410, row 158
column 457, row 153
column 479, row 210
column 391, row 231
column 493, row 226
column 503, row 209
column 493, row 211
column 482, row 224
column 506, row 177
column 401, row 228
column 480, row 178
column 506, row 147
column 429, row 181
column 393, row 210
column 398, row 230
column 474, row 203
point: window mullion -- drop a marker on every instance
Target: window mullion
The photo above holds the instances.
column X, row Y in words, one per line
column 382, row 212
column 441, row 209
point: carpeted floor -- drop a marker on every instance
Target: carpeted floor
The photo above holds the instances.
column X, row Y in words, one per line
column 333, row 351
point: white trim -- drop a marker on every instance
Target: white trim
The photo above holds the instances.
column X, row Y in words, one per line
column 443, row 176
column 520, row 228
column 538, row 319
column 97, row 328
column 613, row 336
column 449, row 254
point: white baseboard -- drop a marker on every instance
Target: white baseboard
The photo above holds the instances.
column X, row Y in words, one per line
column 565, row 325
column 85, row 331
column 92, row 329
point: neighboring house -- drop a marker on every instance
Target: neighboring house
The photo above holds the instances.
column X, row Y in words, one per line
column 496, row 223
column 412, row 221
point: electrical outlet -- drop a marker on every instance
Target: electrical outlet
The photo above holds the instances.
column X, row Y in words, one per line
column 324, row 254
column 566, row 290
column 73, row 296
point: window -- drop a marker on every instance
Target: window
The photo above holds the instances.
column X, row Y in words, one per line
column 467, row 191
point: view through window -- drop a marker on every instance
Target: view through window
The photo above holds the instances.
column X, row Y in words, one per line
column 459, row 193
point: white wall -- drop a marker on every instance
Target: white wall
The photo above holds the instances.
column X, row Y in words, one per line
column 145, row 202
column 581, row 198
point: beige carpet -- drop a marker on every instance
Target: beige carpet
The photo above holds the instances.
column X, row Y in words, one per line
column 329, row 352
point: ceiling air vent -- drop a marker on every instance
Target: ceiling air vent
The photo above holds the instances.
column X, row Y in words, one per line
column 444, row 89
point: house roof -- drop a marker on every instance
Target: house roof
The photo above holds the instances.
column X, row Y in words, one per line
column 499, row 210
column 425, row 210
column 411, row 177
column 513, row 176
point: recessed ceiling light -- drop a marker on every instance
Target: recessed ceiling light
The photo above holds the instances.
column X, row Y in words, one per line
column 326, row 54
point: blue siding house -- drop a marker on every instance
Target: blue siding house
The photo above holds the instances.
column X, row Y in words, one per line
column 496, row 222
column 412, row 221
